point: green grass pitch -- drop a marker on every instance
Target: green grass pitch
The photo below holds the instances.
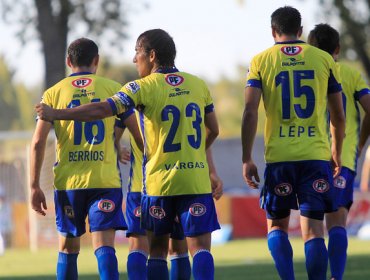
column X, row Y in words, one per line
column 239, row 259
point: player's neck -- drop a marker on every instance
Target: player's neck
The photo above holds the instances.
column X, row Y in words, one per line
column 80, row 69
column 285, row 38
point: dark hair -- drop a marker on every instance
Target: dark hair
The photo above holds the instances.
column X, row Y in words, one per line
column 162, row 43
column 82, row 51
column 286, row 20
column 324, row 37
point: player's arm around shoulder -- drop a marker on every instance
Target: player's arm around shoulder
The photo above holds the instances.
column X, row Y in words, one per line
column 365, row 126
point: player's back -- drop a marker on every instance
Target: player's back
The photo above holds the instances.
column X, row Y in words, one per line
column 172, row 119
column 295, row 79
column 86, row 157
column 354, row 86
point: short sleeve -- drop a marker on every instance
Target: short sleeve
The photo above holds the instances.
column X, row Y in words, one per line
column 253, row 76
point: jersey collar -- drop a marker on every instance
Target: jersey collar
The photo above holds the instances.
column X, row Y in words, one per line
column 167, row 70
column 290, row 42
column 80, row 74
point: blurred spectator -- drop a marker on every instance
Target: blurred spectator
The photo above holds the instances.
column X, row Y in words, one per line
column 5, row 221
column 365, row 174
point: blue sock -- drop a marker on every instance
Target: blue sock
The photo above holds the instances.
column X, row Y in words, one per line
column 337, row 250
column 203, row 266
column 107, row 263
column 136, row 265
column 282, row 253
column 67, row 266
column 316, row 259
column 157, row 269
column 180, row 267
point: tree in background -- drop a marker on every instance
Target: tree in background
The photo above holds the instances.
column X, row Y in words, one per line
column 15, row 102
column 54, row 20
column 354, row 16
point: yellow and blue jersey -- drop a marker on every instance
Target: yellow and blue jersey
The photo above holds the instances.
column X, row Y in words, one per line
column 295, row 79
column 354, row 87
column 85, row 152
column 172, row 122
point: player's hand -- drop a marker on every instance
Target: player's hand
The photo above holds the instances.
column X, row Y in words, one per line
column 250, row 174
column 38, row 201
column 124, row 155
column 336, row 165
column 45, row 112
column 217, row 186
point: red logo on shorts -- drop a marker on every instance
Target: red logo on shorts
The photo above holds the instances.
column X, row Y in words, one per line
column 137, row 211
column 197, row 209
column 283, row 189
column 340, row 182
column 157, row 212
column 106, row 205
column 320, row 186
column 81, row 82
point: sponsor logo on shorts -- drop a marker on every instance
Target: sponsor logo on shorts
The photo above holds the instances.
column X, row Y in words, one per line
column 137, row 211
column 283, row 189
column 174, row 80
column 81, row 82
column 157, row 212
column 106, row 205
column 133, row 87
column 197, row 209
column 320, row 186
column 340, row 182
column 68, row 210
column 291, row 50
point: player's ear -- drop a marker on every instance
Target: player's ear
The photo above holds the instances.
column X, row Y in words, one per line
column 300, row 32
column 68, row 61
column 96, row 60
column 152, row 55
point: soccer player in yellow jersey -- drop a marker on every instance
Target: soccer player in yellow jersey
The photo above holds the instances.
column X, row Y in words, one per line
column 86, row 178
column 355, row 90
column 178, row 123
column 298, row 84
column 138, row 243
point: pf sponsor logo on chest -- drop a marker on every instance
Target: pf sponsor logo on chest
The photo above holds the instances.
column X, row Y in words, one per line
column 106, row 205
column 174, row 80
column 81, row 82
column 320, row 186
column 197, row 209
column 291, row 50
column 157, row 212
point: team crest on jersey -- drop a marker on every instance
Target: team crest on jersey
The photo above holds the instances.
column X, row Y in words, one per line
column 340, row 182
column 137, row 211
column 133, row 87
column 320, row 186
column 106, row 205
column 68, row 210
column 174, row 80
column 291, row 50
column 157, row 212
column 81, row 82
column 197, row 209
column 283, row 189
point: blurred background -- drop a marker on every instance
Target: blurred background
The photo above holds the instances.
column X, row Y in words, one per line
column 215, row 40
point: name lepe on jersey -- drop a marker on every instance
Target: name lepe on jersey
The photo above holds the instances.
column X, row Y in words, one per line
column 184, row 165
column 296, row 131
column 86, row 156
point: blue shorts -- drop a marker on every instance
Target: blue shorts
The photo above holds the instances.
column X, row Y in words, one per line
column 196, row 214
column 133, row 215
column 344, row 187
column 102, row 206
column 304, row 185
